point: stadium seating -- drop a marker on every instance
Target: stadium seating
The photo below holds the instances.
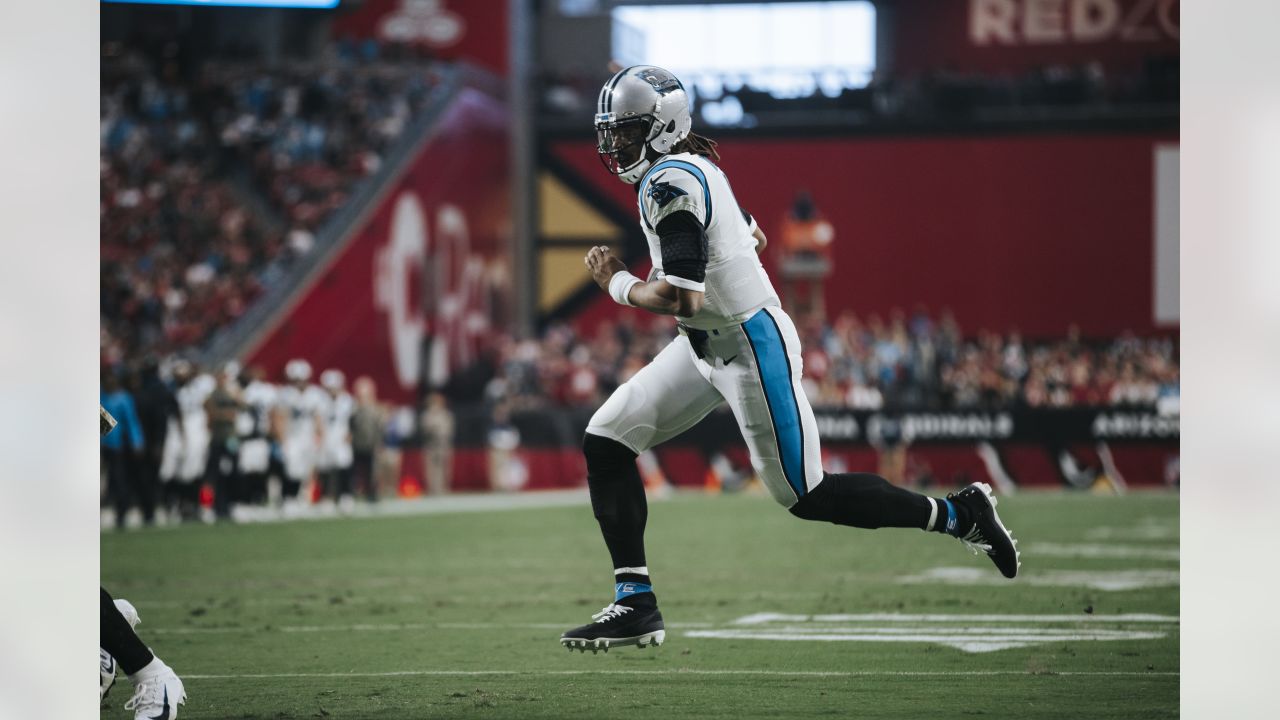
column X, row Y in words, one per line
column 213, row 184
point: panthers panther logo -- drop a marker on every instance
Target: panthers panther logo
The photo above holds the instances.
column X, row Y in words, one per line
column 663, row 192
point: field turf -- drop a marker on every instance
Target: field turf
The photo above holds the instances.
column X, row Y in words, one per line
column 458, row 615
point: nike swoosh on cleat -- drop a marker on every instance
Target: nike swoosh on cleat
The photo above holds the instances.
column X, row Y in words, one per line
column 164, row 711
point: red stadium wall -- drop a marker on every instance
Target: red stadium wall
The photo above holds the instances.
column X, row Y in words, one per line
column 1033, row 233
column 422, row 283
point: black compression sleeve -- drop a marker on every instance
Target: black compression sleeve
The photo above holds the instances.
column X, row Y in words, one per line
column 684, row 246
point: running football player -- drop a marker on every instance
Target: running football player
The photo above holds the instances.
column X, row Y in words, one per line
column 735, row 346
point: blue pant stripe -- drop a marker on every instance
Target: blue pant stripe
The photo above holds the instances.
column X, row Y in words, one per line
column 774, row 368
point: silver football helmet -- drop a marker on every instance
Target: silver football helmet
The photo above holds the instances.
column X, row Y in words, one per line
column 641, row 108
column 297, row 370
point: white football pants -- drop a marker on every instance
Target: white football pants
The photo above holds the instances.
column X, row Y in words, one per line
column 756, row 368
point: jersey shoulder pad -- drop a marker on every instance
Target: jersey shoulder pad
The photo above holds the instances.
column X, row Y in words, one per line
column 675, row 185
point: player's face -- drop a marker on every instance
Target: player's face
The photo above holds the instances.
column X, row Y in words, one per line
column 621, row 145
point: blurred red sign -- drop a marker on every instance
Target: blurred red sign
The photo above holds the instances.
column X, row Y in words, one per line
column 423, row 283
column 471, row 30
column 1017, row 35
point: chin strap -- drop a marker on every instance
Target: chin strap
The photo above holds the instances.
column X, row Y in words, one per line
column 632, row 176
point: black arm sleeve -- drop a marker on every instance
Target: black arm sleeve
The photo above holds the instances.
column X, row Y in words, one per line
column 684, row 246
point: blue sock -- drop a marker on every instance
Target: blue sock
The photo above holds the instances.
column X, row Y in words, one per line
column 624, row 590
column 947, row 522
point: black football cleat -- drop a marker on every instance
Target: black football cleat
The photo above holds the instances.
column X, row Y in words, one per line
column 988, row 534
column 617, row 626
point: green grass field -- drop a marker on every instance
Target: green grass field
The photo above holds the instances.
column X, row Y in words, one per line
column 458, row 615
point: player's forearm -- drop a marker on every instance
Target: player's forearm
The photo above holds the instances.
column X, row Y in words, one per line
column 654, row 296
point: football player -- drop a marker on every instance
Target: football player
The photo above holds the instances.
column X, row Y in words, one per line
column 735, row 346
column 258, row 441
column 186, row 451
column 302, row 405
column 157, row 690
column 336, row 453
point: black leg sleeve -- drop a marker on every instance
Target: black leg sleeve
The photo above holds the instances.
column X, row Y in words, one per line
column 119, row 639
column 617, row 498
column 864, row 500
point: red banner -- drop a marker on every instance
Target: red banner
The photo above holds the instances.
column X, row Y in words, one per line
column 999, row 36
column 472, row 30
column 1033, row 233
column 425, row 280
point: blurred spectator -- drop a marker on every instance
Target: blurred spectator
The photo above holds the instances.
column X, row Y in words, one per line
column 506, row 472
column 157, row 410
column 806, row 256
column 215, row 182
column 223, row 408
column 888, row 438
column 438, row 430
column 368, row 423
column 120, row 446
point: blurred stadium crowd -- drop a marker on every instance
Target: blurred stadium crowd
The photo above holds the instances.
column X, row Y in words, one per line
column 214, row 180
column 233, row 430
column 916, row 362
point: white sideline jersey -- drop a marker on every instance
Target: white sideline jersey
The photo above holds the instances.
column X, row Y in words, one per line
column 337, row 452
column 736, row 285
column 302, row 406
column 185, row 452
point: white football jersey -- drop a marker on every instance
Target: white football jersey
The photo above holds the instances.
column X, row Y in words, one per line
column 338, row 417
column 302, row 407
column 336, row 452
column 259, row 399
column 736, row 285
column 191, row 398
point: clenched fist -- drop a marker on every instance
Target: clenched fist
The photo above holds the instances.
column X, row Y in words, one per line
column 603, row 265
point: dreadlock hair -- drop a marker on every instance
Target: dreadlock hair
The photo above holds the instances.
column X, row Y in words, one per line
column 697, row 145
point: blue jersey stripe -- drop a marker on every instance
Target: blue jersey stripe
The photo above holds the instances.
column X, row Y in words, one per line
column 775, row 375
column 693, row 170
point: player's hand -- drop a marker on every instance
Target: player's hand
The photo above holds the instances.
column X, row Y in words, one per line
column 603, row 265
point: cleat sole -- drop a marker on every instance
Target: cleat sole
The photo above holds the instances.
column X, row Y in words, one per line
column 649, row 639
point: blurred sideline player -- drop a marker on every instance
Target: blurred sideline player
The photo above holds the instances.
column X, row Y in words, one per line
column 157, row 691
column 186, row 451
column 256, row 426
column 335, row 453
column 302, row 406
column 222, row 407
column 736, row 346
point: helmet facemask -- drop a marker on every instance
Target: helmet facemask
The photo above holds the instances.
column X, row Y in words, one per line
column 641, row 114
column 623, row 144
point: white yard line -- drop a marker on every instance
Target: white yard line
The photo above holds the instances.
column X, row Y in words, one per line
column 693, row 672
column 1093, row 551
column 1109, row 580
column 759, row 618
